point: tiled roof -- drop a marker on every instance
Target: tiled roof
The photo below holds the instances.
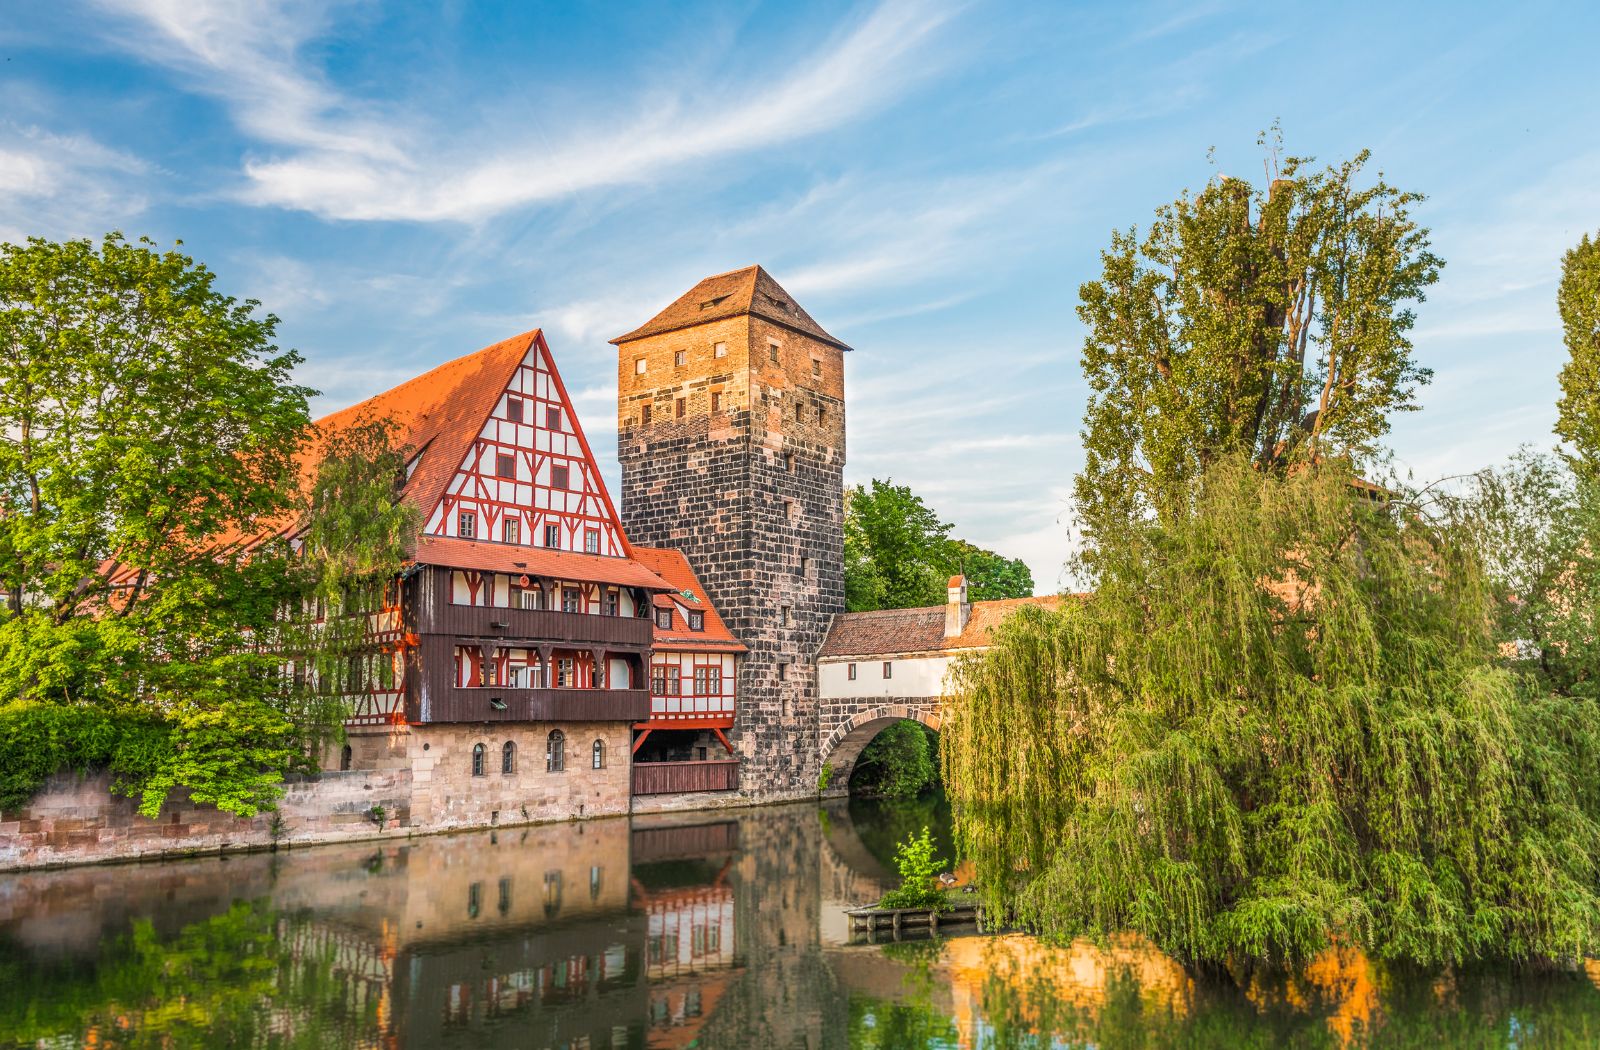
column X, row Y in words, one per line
column 439, row 413
column 672, row 566
column 537, row 561
column 733, row 294
column 890, row 631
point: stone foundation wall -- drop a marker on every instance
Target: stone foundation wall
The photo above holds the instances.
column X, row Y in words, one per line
column 79, row 821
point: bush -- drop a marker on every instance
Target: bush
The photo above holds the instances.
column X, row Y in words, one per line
column 919, row 876
column 39, row 739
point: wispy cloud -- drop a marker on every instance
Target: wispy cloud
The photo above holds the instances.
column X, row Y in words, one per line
column 65, row 185
column 344, row 158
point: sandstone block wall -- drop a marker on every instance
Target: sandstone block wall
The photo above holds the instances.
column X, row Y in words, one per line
column 753, row 493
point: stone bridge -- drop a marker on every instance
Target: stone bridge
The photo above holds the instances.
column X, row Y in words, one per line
column 848, row 725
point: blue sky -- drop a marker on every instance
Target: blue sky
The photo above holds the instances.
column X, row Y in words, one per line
column 932, row 181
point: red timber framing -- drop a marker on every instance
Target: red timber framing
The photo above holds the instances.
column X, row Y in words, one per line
column 553, row 479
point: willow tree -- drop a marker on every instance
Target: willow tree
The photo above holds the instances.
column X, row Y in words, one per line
column 1277, row 725
column 1265, row 321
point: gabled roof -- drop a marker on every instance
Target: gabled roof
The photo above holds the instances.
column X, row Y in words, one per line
column 537, row 561
column 439, row 414
column 733, row 294
column 686, row 593
column 890, row 632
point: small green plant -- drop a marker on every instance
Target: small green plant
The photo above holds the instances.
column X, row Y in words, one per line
column 380, row 816
column 919, row 875
column 276, row 828
column 825, row 777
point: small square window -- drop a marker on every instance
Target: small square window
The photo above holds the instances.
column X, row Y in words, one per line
column 682, row 407
column 716, row 401
column 664, row 619
column 639, row 366
column 514, row 409
column 888, row 669
column 467, row 525
column 552, row 535
column 772, row 352
column 552, row 418
column 850, row 672
column 571, row 600
column 511, row 530
column 816, row 367
column 697, row 620
column 560, row 477
column 505, row 465
column 644, row 414
column 591, row 541
column 720, row 350
column 680, row 358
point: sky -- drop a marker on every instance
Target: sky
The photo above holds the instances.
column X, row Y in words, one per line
column 932, row 181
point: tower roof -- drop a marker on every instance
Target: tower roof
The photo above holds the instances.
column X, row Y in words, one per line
column 733, row 294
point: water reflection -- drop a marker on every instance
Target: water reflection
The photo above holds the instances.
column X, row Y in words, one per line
column 691, row 929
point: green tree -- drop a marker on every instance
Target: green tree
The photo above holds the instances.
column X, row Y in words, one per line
column 1278, row 724
column 919, row 868
column 154, row 525
column 898, row 554
column 897, row 763
column 1538, row 526
column 1579, row 301
column 1265, row 321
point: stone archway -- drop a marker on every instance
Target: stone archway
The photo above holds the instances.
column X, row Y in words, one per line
column 852, row 732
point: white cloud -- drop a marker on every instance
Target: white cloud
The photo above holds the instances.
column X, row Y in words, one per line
column 343, row 158
column 64, row 185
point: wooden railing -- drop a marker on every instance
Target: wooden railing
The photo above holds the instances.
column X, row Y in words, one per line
column 478, row 704
column 662, row 778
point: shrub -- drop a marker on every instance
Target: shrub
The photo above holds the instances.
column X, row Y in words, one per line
column 919, row 875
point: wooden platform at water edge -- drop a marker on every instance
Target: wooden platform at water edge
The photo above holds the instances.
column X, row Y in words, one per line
column 870, row 923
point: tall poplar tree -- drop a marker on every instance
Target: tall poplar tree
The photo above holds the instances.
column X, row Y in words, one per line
column 1579, row 300
column 1270, row 321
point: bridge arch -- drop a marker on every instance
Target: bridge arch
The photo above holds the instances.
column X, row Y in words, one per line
column 852, row 731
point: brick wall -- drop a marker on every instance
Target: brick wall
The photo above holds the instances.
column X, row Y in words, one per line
column 753, row 493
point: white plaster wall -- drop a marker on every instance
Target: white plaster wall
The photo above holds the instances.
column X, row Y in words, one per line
column 913, row 676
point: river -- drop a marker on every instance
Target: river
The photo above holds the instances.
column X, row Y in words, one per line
column 705, row 930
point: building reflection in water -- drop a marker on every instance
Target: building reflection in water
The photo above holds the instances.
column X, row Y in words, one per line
column 666, row 932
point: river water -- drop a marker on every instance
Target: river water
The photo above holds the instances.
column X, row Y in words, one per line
column 704, row 930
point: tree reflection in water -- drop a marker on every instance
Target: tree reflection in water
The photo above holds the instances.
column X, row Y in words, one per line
column 704, row 930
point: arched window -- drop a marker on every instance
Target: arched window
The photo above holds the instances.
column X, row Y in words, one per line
column 555, row 754
column 508, row 758
column 478, row 753
column 599, row 753
column 344, row 757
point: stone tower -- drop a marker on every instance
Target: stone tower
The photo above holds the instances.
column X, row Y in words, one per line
column 730, row 431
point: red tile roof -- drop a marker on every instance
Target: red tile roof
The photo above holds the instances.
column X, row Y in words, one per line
column 733, row 294
column 892, row 631
column 537, row 561
column 672, row 566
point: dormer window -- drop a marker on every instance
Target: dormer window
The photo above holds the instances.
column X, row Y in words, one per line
column 664, row 619
column 697, row 620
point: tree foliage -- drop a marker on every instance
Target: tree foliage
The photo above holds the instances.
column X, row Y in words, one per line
column 1265, row 321
column 897, row 763
column 154, row 525
column 1579, row 408
column 1538, row 527
column 898, row 554
column 1277, row 725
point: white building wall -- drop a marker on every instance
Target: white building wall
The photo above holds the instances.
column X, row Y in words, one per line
column 910, row 676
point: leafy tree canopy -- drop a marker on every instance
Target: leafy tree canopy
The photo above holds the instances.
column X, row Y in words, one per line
column 149, row 436
column 1579, row 301
column 1277, row 725
column 898, row 554
column 1269, row 321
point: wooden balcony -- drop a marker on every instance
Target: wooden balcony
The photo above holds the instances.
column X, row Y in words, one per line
column 581, row 630
column 456, row 704
column 663, row 778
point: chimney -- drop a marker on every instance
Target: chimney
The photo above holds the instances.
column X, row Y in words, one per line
column 957, row 610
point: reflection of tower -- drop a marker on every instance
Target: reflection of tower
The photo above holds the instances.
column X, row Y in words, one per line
column 730, row 432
